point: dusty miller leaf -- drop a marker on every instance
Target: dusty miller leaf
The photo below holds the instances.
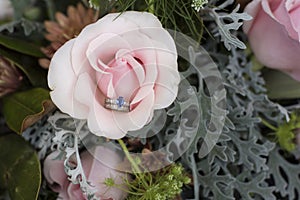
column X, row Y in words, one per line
column 249, row 189
column 67, row 140
column 225, row 29
column 27, row 25
column 284, row 174
column 241, row 154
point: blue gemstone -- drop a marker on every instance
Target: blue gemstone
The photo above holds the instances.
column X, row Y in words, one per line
column 120, row 101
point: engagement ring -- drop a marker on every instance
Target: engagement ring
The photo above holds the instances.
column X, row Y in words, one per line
column 118, row 104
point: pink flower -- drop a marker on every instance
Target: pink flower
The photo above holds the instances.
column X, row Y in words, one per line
column 126, row 55
column 274, row 34
column 6, row 10
column 10, row 77
column 95, row 171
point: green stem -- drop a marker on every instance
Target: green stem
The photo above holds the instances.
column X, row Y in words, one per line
column 267, row 124
column 136, row 170
column 50, row 9
column 132, row 162
column 151, row 6
column 128, row 191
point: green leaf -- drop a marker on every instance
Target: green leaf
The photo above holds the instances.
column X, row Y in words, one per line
column 23, row 109
column 280, row 85
column 21, row 46
column 35, row 74
column 20, row 171
column 94, row 4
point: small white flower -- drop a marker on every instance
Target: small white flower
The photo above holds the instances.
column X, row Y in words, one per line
column 198, row 4
column 6, row 10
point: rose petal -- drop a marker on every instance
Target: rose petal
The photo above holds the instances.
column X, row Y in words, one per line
column 166, row 88
column 107, row 24
column 143, row 48
column 138, row 117
column 281, row 15
column 127, row 84
column 54, row 172
column 160, row 50
column 100, row 120
column 292, row 4
column 105, row 84
column 166, row 57
column 136, row 66
column 74, row 192
column 148, row 57
column 103, row 49
column 105, row 161
column 253, row 8
column 141, row 19
column 61, row 80
column 294, row 14
column 282, row 54
column 120, row 80
column 162, row 40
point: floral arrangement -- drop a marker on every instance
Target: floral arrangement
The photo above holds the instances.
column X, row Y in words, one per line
column 149, row 99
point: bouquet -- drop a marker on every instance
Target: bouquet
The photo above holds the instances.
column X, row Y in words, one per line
column 149, row 99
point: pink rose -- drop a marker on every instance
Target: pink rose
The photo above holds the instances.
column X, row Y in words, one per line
column 274, row 34
column 125, row 55
column 95, row 171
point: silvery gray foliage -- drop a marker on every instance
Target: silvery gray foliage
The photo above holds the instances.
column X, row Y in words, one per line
column 68, row 134
column 228, row 24
column 27, row 25
column 284, row 174
column 243, row 164
column 40, row 136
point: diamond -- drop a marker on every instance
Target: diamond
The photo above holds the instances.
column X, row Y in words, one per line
column 120, row 101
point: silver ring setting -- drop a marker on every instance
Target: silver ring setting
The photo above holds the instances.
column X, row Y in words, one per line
column 118, row 104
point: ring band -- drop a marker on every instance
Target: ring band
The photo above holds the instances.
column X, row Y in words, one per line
column 118, row 104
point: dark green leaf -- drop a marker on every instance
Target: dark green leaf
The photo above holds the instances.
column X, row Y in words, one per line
column 21, row 46
column 280, row 85
column 35, row 74
column 20, row 171
column 23, row 109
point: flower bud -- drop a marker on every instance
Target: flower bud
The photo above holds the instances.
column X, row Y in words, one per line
column 10, row 77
